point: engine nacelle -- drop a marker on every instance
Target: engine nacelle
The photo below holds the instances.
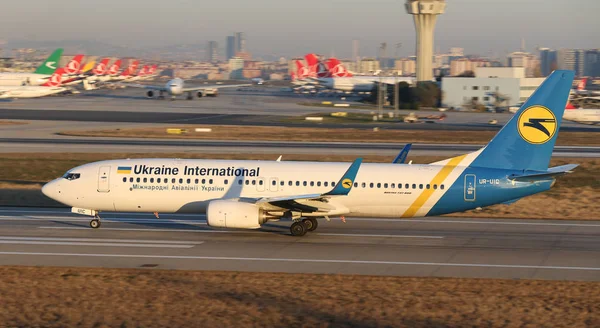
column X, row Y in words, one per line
column 150, row 94
column 232, row 214
column 199, row 94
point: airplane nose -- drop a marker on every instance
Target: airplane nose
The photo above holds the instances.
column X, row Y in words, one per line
column 50, row 189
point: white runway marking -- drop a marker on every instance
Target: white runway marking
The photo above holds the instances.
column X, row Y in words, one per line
column 71, row 243
column 116, row 220
column 378, row 236
column 258, row 259
column 102, row 240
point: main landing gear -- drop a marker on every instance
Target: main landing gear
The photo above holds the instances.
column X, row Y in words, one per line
column 95, row 222
column 300, row 228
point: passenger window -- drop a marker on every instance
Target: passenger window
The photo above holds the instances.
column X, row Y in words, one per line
column 385, row 185
column 312, row 183
column 240, row 182
column 180, row 180
column 247, row 182
column 326, row 183
column 282, row 183
column 274, row 183
column 157, row 180
column 407, row 186
column 173, row 180
column 393, row 185
column 442, row 187
column 124, row 179
column 137, row 180
column 196, row 181
column 364, row 185
column 421, row 186
column 145, row 180
column 210, row 181
column 427, row 186
column 254, row 182
column 304, row 183
column 151, row 180
column 318, row 183
column 356, row 185
column 189, row 181
column 371, row 184
column 297, row 183
column 260, row 182
column 434, row 186
column 203, row 181
column 226, row 181
column 130, row 179
column 290, row 183
column 379, row 185
column 333, row 184
column 414, row 186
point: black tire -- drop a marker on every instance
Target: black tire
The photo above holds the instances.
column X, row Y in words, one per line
column 311, row 224
column 95, row 224
column 298, row 229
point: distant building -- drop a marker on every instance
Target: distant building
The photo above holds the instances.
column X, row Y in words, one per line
column 462, row 65
column 368, row 65
column 230, row 47
column 355, row 49
column 212, row 52
column 236, row 68
column 567, row 59
column 240, row 42
column 406, row 66
column 244, row 55
column 526, row 60
column 548, row 61
column 591, row 63
column 503, row 86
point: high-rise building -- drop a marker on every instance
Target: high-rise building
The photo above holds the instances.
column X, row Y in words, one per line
column 230, row 47
column 355, row 47
column 368, row 65
column 548, row 61
column 425, row 14
column 212, row 51
column 526, row 60
column 567, row 59
column 591, row 63
column 236, row 68
column 240, row 42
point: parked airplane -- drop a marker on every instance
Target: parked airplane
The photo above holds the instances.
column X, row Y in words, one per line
column 247, row 194
column 52, row 86
column 581, row 115
column 38, row 77
column 582, row 89
column 176, row 87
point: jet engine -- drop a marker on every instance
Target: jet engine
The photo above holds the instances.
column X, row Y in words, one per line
column 150, row 94
column 199, row 94
column 233, row 214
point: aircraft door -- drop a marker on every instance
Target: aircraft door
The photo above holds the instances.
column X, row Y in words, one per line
column 104, row 179
column 470, row 188
column 273, row 184
column 260, row 184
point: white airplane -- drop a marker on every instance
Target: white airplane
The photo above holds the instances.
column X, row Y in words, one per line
column 582, row 115
column 582, row 91
column 247, row 194
column 176, row 87
column 39, row 77
column 52, row 86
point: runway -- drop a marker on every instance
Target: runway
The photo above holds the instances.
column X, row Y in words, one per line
column 431, row 247
column 146, row 145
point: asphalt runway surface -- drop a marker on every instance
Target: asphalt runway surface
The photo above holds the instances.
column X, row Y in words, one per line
column 428, row 247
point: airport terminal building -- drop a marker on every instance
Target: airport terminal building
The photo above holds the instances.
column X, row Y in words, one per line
column 491, row 86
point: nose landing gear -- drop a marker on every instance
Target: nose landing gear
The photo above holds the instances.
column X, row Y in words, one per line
column 95, row 222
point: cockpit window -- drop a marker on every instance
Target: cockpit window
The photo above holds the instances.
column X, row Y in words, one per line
column 71, row 176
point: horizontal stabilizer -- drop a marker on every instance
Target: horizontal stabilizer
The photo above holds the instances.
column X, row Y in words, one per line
column 551, row 172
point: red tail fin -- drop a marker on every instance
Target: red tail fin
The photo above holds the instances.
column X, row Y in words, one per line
column 582, row 84
column 301, row 70
column 570, row 106
column 336, row 69
column 313, row 62
column 101, row 68
column 293, row 76
column 152, row 69
column 144, row 71
column 55, row 79
column 114, row 68
column 73, row 66
column 131, row 68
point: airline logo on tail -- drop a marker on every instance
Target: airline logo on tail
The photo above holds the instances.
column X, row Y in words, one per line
column 74, row 65
column 100, row 69
column 537, row 125
column 51, row 64
column 152, row 69
column 313, row 62
column 302, row 71
column 114, row 68
column 582, row 84
column 131, row 69
column 144, row 71
column 55, row 79
column 336, row 69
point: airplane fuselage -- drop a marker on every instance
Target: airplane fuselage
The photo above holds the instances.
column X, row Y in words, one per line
column 29, row 91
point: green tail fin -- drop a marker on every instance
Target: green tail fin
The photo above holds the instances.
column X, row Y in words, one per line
column 49, row 65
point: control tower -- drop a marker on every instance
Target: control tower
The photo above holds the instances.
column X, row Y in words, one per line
column 425, row 14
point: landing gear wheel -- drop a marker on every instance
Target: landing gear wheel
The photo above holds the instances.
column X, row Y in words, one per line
column 311, row 224
column 298, row 229
column 95, row 224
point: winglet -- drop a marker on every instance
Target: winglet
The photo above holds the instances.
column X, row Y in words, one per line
column 401, row 158
column 344, row 186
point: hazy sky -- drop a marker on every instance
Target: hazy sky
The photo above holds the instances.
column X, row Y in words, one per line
column 286, row 27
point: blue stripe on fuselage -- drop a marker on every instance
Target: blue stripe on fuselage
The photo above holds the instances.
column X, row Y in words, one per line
column 492, row 186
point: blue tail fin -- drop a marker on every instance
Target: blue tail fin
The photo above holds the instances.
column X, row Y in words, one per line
column 526, row 142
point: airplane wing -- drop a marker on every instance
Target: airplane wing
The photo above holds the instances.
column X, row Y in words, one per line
column 316, row 202
column 143, row 86
column 216, row 86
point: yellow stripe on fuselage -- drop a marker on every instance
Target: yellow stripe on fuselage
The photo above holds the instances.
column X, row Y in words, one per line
column 437, row 180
